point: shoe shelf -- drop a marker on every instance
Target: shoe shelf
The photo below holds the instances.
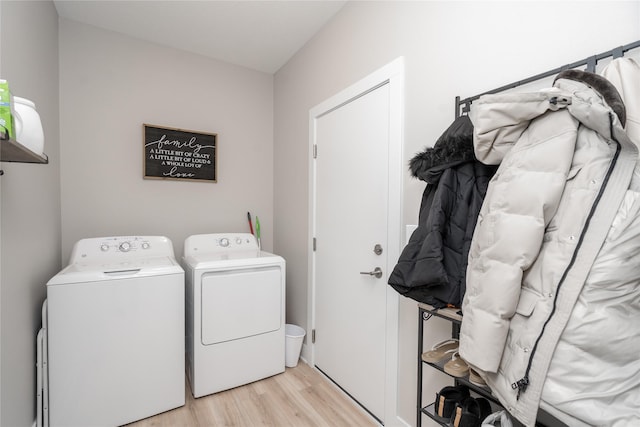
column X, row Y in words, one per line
column 464, row 380
column 426, row 312
column 451, row 314
column 430, row 412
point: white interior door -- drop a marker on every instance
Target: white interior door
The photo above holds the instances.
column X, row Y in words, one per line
column 353, row 310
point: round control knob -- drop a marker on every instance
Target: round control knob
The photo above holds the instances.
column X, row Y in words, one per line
column 238, row 241
column 124, row 246
column 224, row 242
column 145, row 245
column 104, row 247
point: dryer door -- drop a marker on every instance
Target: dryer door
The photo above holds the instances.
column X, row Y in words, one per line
column 240, row 303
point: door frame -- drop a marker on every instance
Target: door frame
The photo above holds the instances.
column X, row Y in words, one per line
column 391, row 74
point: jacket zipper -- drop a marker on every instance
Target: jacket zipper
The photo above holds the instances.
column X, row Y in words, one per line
column 522, row 384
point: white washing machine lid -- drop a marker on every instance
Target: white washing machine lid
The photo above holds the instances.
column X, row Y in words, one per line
column 82, row 272
column 232, row 259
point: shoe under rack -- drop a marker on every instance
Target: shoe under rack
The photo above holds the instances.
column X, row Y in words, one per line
column 426, row 312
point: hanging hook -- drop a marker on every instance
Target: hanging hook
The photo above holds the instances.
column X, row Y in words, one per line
column 618, row 52
column 591, row 64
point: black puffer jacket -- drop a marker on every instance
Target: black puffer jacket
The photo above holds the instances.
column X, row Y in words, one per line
column 432, row 267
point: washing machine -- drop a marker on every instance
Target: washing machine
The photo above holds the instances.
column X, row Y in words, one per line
column 113, row 323
column 235, row 302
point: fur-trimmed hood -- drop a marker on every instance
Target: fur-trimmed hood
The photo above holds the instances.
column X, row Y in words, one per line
column 455, row 146
column 601, row 85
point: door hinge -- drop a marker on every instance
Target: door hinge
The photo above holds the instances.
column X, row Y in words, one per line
column 313, row 336
column 314, row 244
column 315, row 151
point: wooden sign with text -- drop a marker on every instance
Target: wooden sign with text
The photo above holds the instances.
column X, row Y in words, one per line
column 179, row 154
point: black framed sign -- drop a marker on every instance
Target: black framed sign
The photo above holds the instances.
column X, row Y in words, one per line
column 179, row 154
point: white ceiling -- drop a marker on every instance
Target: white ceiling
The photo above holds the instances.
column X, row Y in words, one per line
column 261, row 35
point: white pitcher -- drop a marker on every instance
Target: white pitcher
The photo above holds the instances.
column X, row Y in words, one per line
column 28, row 126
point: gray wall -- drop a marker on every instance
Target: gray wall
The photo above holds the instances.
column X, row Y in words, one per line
column 110, row 85
column 450, row 48
column 30, row 198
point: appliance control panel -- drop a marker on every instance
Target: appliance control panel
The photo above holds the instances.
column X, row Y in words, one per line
column 129, row 247
column 220, row 242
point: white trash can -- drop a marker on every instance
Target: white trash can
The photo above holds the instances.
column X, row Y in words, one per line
column 293, row 344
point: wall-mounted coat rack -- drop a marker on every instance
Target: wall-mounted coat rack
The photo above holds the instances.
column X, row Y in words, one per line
column 463, row 105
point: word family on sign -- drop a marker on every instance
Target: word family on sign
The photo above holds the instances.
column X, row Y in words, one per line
column 174, row 153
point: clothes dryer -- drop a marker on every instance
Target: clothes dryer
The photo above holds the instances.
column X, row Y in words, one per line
column 113, row 323
column 235, row 302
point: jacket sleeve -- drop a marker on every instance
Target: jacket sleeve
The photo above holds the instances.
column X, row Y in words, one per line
column 521, row 200
column 402, row 278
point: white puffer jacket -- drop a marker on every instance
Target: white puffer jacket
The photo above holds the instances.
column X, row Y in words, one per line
column 565, row 165
column 594, row 376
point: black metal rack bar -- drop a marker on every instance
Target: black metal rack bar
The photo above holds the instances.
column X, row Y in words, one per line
column 463, row 105
column 421, row 312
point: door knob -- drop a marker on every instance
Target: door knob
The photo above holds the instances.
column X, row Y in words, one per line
column 376, row 272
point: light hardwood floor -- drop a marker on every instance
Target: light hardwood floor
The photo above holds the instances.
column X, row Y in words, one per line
column 299, row 397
